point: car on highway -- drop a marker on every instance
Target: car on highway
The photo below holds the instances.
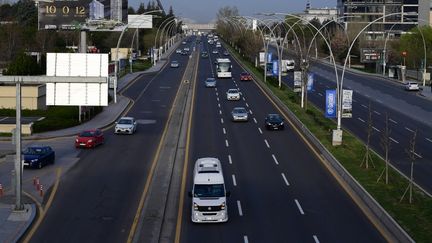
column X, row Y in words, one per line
column 175, row 64
column 186, row 49
column 178, row 51
column 125, row 125
column 412, row 86
column 184, row 42
column 233, row 94
column 239, row 114
column 245, row 76
column 204, row 54
column 184, row 53
column 226, row 53
column 215, row 51
column 89, row 138
column 274, row 122
column 218, row 45
column 38, row 156
column 210, row 82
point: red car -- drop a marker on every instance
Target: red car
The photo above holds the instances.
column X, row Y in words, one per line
column 89, row 138
column 245, row 77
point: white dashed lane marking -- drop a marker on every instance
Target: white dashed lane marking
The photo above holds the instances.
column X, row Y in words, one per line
column 376, row 112
column 285, row 179
column 376, row 129
column 250, row 111
column 229, row 159
column 394, row 140
column 316, row 239
column 220, row 112
column 267, row 144
column 274, row 159
column 245, row 239
column 260, row 131
column 364, row 106
column 226, row 143
column 255, row 120
column 430, row 140
column 222, row 121
column 395, row 122
column 224, row 130
column 409, row 129
column 247, row 104
column 234, row 180
column 320, row 94
column 239, row 208
column 299, row 207
column 219, row 105
column 361, row 120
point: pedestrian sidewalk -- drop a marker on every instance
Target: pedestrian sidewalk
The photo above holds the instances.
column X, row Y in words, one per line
column 13, row 223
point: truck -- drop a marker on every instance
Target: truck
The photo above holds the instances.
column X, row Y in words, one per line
column 209, row 204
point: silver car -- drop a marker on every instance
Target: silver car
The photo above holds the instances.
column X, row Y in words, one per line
column 125, row 125
column 175, row 64
column 233, row 94
column 239, row 114
column 210, row 82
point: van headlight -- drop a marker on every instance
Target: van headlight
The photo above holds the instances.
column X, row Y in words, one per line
column 195, row 206
column 223, row 206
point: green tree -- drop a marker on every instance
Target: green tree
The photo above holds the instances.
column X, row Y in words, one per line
column 412, row 43
column 24, row 65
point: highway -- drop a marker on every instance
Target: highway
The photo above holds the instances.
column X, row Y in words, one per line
column 97, row 200
column 280, row 191
column 406, row 111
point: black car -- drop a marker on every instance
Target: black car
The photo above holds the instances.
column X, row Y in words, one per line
column 204, row 54
column 274, row 122
column 38, row 156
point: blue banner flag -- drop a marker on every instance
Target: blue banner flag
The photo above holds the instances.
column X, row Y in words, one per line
column 330, row 111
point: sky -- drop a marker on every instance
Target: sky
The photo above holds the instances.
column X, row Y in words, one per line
column 204, row 11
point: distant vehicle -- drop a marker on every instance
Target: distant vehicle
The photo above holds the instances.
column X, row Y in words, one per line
column 274, row 122
column 184, row 42
column 186, row 49
column 204, row 54
column 233, row 94
column 239, row 114
column 412, row 86
column 210, row 82
column 210, row 42
column 245, row 76
column 226, row 53
column 89, row 138
column 218, row 45
column 287, row 65
column 215, row 51
column 223, row 68
column 38, row 156
column 185, row 53
column 209, row 196
column 175, row 64
column 125, row 125
column 178, row 51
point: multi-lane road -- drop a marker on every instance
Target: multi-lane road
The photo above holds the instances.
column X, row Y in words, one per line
column 280, row 191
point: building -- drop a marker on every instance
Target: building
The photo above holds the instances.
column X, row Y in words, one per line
column 33, row 97
column 116, row 10
column 394, row 16
column 321, row 14
column 96, row 10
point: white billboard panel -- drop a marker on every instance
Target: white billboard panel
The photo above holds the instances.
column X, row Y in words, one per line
column 347, row 103
column 77, row 65
column 138, row 21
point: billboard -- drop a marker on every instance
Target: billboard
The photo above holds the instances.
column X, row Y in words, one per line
column 370, row 55
column 77, row 65
column 140, row 21
column 94, row 15
column 347, row 103
column 297, row 81
column 261, row 58
column 330, row 111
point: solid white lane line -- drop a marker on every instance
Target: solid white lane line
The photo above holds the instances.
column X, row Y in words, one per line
column 320, row 94
column 226, row 143
column 285, row 179
column 234, row 180
column 316, row 239
column 376, row 112
column 265, row 140
column 222, row 121
column 220, row 112
column 260, row 131
column 409, row 129
column 223, row 130
column 275, row 160
column 430, row 140
column 299, row 207
column 245, row 239
column 395, row 122
column 229, row 159
column 394, row 140
column 255, row 120
column 250, row 111
column 361, row 120
column 239, row 208
column 365, row 106
column 247, row 104
column 376, row 129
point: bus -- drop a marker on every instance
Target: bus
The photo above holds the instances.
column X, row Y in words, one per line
column 223, row 68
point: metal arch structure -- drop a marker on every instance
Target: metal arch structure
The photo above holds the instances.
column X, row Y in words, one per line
column 161, row 6
column 191, row 26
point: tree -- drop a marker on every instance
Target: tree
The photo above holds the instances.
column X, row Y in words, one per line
column 131, row 10
column 24, row 65
column 170, row 12
column 412, row 43
column 141, row 9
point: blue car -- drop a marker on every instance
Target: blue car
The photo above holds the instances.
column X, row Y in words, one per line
column 38, row 156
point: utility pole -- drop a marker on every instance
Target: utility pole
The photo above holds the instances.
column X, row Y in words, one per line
column 18, row 161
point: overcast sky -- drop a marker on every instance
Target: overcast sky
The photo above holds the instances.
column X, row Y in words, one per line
column 204, row 11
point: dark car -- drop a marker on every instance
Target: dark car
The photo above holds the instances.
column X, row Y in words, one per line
column 274, row 122
column 245, row 76
column 38, row 156
column 89, row 138
column 204, row 54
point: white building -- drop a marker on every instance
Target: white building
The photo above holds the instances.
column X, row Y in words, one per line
column 96, row 10
column 321, row 14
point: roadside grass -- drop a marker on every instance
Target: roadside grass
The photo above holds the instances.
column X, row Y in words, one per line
column 137, row 66
column 415, row 218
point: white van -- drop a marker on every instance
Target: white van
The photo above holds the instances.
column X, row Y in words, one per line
column 208, row 194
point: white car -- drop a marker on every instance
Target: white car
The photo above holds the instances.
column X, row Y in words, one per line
column 175, row 64
column 186, row 49
column 410, row 85
column 126, row 125
column 215, row 51
column 233, row 94
column 178, row 51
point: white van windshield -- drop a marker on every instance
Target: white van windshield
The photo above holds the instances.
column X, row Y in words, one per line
column 216, row 190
